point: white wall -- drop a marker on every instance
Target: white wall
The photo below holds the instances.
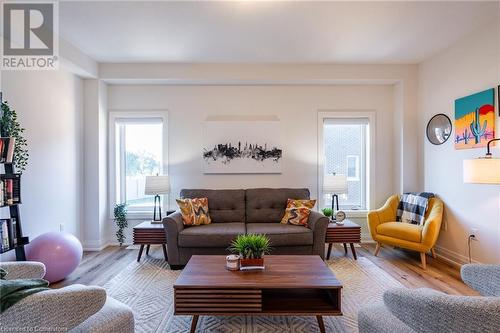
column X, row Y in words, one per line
column 471, row 65
column 297, row 108
column 95, row 165
column 49, row 105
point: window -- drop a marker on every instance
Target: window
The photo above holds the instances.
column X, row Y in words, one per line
column 345, row 149
column 352, row 167
column 138, row 144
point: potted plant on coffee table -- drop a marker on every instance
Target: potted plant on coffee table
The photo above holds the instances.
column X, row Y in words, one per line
column 251, row 248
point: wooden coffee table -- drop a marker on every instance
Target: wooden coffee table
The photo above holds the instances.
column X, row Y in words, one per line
column 299, row 285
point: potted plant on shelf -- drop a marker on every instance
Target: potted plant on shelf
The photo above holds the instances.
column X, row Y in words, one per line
column 251, row 248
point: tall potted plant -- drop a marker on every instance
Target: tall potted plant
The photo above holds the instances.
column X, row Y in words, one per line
column 10, row 127
column 251, row 248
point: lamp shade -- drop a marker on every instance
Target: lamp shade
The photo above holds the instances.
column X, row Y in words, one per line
column 482, row 171
column 157, row 185
column 336, row 184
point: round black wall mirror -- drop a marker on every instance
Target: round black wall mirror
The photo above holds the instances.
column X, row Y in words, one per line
column 439, row 129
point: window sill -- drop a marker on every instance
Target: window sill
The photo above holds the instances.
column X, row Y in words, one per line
column 356, row 213
column 137, row 216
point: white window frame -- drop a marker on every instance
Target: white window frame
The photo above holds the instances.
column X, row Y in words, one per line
column 370, row 154
column 139, row 116
column 357, row 167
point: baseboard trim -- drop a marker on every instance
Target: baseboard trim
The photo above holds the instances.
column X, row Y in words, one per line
column 453, row 258
column 93, row 248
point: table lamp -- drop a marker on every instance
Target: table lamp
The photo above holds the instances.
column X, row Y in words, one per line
column 335, row 184
column 156, row 185
column 483, row 170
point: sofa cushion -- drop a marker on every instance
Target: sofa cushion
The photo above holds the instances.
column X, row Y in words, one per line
column 282, row 234
column 297, row 212
column 223, row 205
column 399, row 230
column 194, row 211
column 211, row 235
column 265, row 205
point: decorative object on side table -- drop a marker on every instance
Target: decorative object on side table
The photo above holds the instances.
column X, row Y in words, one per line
column 251, row 249
column 348, row 232
column 327, row 212
column 483, row 170
column 439, row 129
column 335, row 184
column 156, row 185
column 120, row 213
column 340, row 217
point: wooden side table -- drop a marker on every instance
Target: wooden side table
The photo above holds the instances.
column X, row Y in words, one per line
column 349, row 232
column 147, row 234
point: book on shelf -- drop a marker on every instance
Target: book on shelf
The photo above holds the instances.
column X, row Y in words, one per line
column 7, row 234
column 7, row 149
column 10, row 189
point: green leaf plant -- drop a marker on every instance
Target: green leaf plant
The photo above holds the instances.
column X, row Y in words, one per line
column 10, row 127
column 251, row 246
column 120, row 213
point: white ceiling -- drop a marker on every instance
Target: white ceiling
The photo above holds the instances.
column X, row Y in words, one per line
column 269, row 32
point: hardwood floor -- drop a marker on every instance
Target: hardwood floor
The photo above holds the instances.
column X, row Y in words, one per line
column 97, row 268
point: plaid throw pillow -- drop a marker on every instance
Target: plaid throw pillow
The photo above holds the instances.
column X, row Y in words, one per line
column 297, row 211
column 412, row 207
column 194, row 211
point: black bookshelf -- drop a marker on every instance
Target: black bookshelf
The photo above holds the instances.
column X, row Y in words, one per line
column 19, row 241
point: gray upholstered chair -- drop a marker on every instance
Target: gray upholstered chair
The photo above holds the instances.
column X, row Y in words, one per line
column 76, row 308
column 426, row 310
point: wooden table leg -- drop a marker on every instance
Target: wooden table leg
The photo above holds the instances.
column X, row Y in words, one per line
column 164, row 251
column 194, row 322
column 353, row 251
column 321, row 324
column 140, row 253
column 345, row 248
column 329, row 251
column 147, row 249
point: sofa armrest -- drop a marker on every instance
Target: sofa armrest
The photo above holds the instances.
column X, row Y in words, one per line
column 173, row 226
column 386, row 213
column 318, row 223
column 54, row 310
column 23, row 269
column 483, row 278
column 426, row 310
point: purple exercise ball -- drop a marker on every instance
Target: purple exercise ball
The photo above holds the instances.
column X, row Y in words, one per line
column 59, row 251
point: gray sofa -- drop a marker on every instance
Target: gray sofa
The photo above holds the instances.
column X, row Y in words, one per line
column 75, row 309
column 236, row 212
column 428, row 311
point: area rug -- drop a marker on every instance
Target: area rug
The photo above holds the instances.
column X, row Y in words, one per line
column 147, row 288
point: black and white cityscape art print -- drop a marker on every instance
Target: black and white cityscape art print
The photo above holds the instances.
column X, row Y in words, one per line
column 242, row 147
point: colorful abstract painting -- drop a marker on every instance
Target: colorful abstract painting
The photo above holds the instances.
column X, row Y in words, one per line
column 475, row 120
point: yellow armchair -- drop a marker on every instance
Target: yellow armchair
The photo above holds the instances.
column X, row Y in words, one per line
column 421, row 238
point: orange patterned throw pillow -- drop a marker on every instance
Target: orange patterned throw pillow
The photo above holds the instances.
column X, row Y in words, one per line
column 297, row 211
column 194, row 211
